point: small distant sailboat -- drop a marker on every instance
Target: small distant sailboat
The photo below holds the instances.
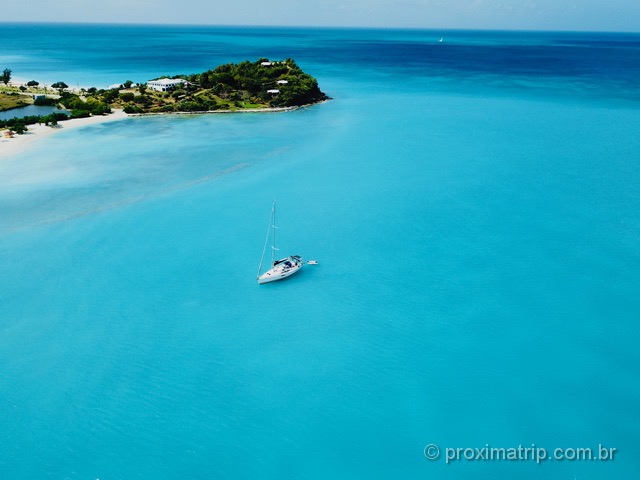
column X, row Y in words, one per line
column 441, row 39
column 283, row 268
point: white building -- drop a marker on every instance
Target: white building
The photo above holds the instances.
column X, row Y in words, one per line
column 165, row 84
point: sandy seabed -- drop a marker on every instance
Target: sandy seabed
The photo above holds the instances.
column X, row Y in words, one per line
column 10, row 147
column 13, row 146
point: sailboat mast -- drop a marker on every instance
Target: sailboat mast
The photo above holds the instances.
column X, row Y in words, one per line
column 266, row 240
column 273, row 223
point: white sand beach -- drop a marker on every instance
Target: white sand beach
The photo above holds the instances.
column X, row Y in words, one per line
column 10, row 147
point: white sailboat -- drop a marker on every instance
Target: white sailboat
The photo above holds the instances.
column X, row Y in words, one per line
column 283, row 268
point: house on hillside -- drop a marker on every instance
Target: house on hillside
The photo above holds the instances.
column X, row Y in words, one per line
column 166, row 84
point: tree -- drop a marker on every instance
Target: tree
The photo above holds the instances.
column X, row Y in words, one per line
column 32, row 83
column 6, row 76
column 127, row 84
column 72, row 102
column 110, row 95
column 60, row 86
column 20, row 128
column 53, row 119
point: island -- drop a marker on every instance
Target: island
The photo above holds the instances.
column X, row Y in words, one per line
column 233, row 87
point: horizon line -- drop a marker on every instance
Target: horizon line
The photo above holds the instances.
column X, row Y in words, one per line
column 319, row 27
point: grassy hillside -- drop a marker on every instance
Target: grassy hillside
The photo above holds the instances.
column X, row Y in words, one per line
column 246, row 85
column 13, row 100
column 231, row 87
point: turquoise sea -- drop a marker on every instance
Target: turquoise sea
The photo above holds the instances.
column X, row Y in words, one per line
column 474, row 206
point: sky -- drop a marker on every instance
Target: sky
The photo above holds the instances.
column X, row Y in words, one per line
column 583, row 15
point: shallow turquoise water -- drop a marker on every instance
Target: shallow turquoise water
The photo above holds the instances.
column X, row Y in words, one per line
column 477, row 279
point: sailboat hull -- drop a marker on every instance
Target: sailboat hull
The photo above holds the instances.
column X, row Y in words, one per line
column 282, row 269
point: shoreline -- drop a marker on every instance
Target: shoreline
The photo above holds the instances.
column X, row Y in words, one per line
column 207, row 112
column 10, row 147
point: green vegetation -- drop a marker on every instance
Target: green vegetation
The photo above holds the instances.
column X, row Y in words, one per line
column 12, row 100
column 90, row 105
column 231, row 87
column 6, row 76
column 43, row 101
column 19, row 125
column 61, row 86
column 252, row 85
column 79, row 108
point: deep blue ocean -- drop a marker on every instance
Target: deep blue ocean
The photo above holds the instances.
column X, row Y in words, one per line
column 473, row 201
